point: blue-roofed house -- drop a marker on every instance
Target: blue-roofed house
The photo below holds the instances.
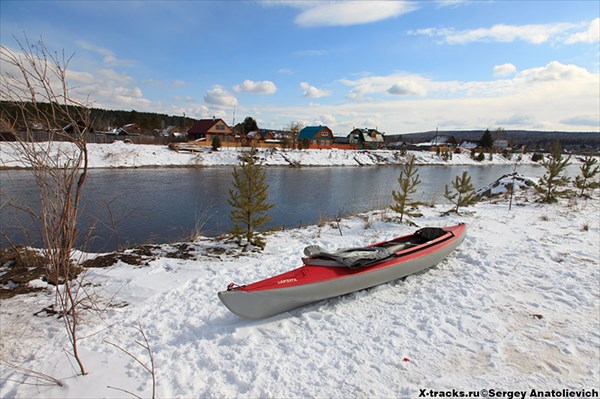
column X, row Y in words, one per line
column 320, row 136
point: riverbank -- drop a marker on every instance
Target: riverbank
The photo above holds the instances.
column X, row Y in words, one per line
column 121, row 155
column 515, row 307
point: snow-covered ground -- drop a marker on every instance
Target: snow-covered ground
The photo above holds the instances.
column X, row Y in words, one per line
column 121, row 155
column 515, row 307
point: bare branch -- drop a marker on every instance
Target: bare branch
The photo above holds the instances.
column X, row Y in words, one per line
column 40, row 379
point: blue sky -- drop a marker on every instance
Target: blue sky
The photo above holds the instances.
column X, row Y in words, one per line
column 399, row 66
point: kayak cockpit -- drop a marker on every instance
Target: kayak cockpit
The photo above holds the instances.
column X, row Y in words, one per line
column 367, row 256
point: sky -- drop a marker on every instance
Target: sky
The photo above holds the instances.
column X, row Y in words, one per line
column 397, row 66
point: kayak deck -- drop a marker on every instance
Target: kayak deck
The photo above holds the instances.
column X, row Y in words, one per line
column 315, row 281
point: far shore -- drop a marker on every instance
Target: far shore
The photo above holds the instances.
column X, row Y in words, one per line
column 120, row 155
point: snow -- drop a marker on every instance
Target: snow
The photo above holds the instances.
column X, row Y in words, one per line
column 122, row 155
column 516, row 306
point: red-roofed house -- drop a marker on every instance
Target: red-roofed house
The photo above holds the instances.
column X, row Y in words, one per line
column 208, row 128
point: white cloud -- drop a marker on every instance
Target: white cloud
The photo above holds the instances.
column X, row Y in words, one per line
column 249, row 86
column 346, row 13
column 217, row 95
column 592, row 35
column 451, row 3
column 108, row 56
column 557, row 72
column 407, row 88
column 178, row 83
column 504, row 70
column 309, row 53
column 555, row 96
column 285, row 71
column 109, row 74
column 582, row 120
column 535, row 34
column 187, row 99
column 313, row 92
column 516, row 120
column 395, row 84
column 77, row 78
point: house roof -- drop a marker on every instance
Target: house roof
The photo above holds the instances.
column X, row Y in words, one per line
column 204, row 125
column 437, row 140
column 310, row 132
column 469, row 145
column 366, row 135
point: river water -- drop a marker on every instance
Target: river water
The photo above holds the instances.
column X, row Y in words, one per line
column 164, row 205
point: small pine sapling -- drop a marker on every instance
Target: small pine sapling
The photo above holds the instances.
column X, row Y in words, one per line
column 589, row 169
column 249, row 200
column 464, row 194
column 408, row 180
column 550, row 184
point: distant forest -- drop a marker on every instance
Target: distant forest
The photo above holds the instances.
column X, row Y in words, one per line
column 104, row 120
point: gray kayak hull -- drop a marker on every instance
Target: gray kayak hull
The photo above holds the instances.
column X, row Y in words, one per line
column 268, row 302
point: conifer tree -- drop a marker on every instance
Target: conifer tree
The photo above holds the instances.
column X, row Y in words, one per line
column 408, row 180
column 589, row 169
column 550, row 184
column 216, row 143
column 465, row 192
column 487, row 141
column 249, row 200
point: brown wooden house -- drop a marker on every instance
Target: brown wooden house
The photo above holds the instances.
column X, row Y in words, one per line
column 206, row 129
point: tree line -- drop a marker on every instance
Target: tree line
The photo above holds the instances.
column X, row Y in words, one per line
column 98, row 118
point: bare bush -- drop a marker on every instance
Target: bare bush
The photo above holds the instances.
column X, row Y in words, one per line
column 34, row 85
column 149, row 367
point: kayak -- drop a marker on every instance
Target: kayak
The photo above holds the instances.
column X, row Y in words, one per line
column 329, row 274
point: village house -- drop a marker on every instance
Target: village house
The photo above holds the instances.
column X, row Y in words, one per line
column 500, row 145
column 132, row 129
column 252, row 138
column 442, row 143
column 319, row 136
column 366, row 138
column 207, row 129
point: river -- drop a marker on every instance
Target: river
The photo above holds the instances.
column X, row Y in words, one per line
column 168, row 204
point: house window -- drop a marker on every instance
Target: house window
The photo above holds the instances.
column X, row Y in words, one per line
column 324, row 134
column 220, row 127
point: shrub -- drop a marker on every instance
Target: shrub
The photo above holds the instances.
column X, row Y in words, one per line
column 215, row 143
column 536, row 157
column 408, row 180
column 249, row 200
column 550, row 184
column 589, row 169
column 465, row 192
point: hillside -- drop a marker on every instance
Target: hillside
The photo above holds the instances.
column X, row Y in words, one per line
column 530, row 138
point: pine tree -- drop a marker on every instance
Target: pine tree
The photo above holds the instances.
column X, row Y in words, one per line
column 586, row 181
column 487, row 141
column 465, row 192
column 408, row 180
column 216, row 143
column 249, row 200
column 550, row 184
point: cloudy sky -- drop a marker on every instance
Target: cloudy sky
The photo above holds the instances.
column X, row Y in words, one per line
column 399, row 66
